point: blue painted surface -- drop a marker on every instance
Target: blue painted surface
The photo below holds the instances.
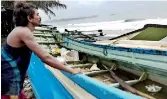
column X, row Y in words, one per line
column 46, row 86
column 98, row 89
column 135, row 50
column 44, row 83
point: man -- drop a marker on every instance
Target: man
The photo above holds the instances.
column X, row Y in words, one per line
column 16, row 52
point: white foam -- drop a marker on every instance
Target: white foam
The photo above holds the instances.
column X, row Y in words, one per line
column 96, row 23
column 113, row 25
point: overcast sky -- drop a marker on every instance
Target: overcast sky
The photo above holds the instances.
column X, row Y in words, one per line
column 80, row 8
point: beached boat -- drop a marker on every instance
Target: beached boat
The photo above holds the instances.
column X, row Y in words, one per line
column 141, row 52
column 145, row 58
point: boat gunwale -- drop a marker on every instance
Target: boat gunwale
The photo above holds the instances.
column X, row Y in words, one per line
column 119, row 48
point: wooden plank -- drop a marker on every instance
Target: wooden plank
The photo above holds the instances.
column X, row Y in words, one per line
column 43, row 35
column 128, row 87
column 95, row 72
column 135, row 44
column 81, row 65
column 50, row 42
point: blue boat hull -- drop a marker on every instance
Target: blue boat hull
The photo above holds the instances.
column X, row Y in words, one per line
column 46, row 86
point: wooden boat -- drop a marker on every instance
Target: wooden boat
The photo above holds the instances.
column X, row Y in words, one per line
column 139, row 52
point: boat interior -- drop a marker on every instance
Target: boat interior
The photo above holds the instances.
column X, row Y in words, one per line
column 103, row 71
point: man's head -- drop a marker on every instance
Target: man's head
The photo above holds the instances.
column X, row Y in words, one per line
column 26, row 13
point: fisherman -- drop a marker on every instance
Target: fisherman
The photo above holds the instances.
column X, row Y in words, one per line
column 16, row 52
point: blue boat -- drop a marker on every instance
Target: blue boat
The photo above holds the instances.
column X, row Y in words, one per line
column 46, row 86
column 131, row 52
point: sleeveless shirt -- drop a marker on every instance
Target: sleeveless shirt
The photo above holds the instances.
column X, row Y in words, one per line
column 14, row 64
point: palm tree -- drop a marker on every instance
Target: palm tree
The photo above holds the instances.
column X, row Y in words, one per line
column 6, row 13
column 44, row 5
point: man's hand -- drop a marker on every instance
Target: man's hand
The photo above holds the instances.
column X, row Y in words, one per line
column 76, row 71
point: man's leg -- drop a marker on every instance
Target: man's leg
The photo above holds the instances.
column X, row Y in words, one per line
column 5, row 97
column 22, row 95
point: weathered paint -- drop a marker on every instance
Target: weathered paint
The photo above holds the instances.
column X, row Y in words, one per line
column 44, row 84
column 47, row 86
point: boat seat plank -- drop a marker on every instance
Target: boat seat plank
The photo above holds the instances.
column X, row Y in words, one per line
column 160, row 45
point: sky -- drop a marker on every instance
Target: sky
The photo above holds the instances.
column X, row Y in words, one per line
column 72, row 5
column 81, row 8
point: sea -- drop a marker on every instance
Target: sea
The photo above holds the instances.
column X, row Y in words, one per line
column 113, row 17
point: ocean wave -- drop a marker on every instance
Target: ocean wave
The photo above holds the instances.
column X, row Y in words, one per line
column 96, row 23
column 114, row 25
column 71, row 19
column 133, row 20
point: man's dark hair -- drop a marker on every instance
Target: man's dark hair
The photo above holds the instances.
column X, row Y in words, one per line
column 21, row 11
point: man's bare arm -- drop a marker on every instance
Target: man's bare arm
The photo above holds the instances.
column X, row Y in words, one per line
column 31, row 43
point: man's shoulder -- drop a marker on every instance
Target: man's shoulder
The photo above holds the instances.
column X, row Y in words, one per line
column 22, row 29
column 22, row 32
